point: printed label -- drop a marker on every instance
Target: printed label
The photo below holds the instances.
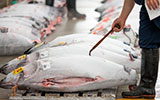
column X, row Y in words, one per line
column 22, row 57
column 18, row 70
column 61, row 43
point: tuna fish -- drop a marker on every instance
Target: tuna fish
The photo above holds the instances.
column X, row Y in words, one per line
column 21, row 30
column 77, row 44
column 19, row 20
column 30, row 23
column 11, row 44
column 70, row 74
column 57, row 3
column 34, row 10
column 108, row 44
column 109, row 4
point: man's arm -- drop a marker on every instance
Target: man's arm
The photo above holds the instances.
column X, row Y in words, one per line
column 127, row 8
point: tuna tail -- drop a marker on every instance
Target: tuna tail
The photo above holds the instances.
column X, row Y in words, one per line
column 3, row 68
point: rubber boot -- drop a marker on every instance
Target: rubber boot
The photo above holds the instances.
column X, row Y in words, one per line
column 50, row 3
column 149, row 72
column 72, row 12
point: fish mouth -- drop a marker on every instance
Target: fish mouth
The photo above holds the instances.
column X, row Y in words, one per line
column 3, row 68
column 7, row 85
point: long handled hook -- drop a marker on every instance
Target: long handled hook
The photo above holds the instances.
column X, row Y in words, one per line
column 98, row 43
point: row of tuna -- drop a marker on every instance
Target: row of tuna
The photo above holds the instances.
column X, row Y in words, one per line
column 109, row 11
column 64, row 64
column 27, row 23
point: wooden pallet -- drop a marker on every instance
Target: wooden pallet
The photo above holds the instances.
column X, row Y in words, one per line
column 106, row 94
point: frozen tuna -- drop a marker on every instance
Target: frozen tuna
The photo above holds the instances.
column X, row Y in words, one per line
column 14, row 45
column 70, row 74
column 111, row 50
column 27, row 24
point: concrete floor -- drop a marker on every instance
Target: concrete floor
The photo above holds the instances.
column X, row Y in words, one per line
column 68, row 27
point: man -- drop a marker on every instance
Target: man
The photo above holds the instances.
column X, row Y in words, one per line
column 149, row 41
column 71, row 6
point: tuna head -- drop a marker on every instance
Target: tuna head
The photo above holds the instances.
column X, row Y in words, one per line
column 13, row 64
column 10, row 80
column 17, row 76
column 18, row 62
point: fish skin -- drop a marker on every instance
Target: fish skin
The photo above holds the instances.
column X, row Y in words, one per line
column 108, row 43
column 86, row 39
column 16, row 63
column 37, row 15
column 17, row 43
column 83, row 49
column 42, row 11
column 57, row 3
column 21, row 30
column 112, row 50
column 73, row 66
column 108, row 5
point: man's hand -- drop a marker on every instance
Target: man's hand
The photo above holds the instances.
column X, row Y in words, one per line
column 153, row 4
column 119, row 21
column 127, row 8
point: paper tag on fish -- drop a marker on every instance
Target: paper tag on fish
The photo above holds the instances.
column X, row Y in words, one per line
column 61, row 43
column 45, row 65
column 18, row 70
column 39, row 45
column 43, row 54
column 22, row 57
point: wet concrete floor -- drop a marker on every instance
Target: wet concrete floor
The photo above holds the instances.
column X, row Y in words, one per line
column 68, row 27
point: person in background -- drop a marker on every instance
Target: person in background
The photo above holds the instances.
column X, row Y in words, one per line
column 71, row 6
column 149, row 41
column 50, row 3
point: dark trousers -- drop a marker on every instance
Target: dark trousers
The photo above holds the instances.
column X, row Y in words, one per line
column 149, row 31
column 50, row 3
column 71, row 5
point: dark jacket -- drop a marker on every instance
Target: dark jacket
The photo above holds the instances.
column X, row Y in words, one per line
column 140, row 2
